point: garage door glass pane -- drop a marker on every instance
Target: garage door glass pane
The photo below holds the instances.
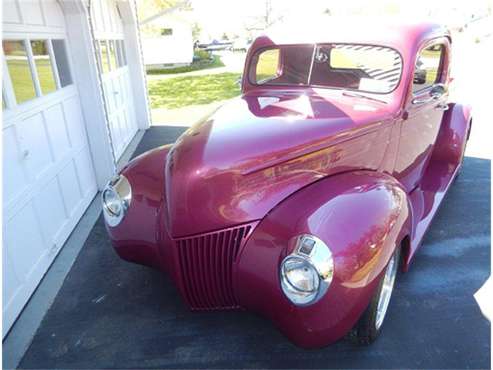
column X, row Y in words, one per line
column 62, row 62
column 19, row 70
column 104, row 56
column 113, row 54
column 43, row 66
column 124, row 55
column 120, row 48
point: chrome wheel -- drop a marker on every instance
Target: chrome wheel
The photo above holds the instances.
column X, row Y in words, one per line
column 386, row 292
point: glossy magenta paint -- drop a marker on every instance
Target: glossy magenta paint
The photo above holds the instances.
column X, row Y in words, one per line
column 244, row 159
column 363, row 176
column 360, row 215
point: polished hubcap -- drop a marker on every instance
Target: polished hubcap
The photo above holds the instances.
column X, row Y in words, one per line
column 386, row 292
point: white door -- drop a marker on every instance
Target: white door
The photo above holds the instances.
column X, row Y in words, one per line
column 48, row 177
column 111, row 56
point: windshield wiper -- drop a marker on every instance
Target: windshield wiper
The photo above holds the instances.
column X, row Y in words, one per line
column 358, row 95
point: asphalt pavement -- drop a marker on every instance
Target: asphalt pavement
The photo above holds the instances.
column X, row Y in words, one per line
column 113, row 314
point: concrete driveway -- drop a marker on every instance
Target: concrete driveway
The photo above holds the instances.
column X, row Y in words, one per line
column 112, row 314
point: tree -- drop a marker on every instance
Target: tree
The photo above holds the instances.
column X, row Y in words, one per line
column 147, row 9
column 196, row 31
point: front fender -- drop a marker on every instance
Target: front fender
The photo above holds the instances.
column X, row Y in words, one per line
column 137, row 237
column 361, row 216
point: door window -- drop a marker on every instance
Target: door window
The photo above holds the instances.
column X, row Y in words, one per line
column 267, row 66
column 427, row 71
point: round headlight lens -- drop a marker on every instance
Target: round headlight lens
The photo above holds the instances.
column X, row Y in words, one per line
column 307, row 272
column 112, row 202
column 300, row 280
column 116, row 198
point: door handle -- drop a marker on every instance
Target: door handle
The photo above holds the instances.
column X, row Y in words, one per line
column 428, row 99
column 441, row 106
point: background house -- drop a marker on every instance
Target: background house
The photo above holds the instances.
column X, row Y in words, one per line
column 74, row 96
column 167, row 40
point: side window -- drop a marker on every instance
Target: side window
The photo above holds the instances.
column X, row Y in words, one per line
column 166, row 31
column 267, row 66
column 427, row 70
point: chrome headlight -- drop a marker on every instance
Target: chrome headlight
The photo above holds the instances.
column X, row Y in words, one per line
column 307, row 272
column 116, row 198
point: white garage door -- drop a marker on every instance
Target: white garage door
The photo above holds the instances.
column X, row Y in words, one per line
column 48, row 178
column 111, row 56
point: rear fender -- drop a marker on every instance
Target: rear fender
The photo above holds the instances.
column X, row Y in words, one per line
column 361, row 216
column 454, row 133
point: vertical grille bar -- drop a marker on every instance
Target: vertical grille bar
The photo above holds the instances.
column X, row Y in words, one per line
column 206, row 263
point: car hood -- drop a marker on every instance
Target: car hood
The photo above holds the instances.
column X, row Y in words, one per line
column 238, row 163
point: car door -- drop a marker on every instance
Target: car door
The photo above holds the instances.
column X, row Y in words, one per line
column 424, row 109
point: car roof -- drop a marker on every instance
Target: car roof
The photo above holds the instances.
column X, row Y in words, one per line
column 398, row 34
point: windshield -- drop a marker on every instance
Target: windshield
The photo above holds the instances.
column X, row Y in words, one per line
column 366, row 68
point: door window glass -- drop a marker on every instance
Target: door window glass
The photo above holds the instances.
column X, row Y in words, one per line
column 427, row 69
column 19, row 70
column 267, row 66
column 43, row 66
column 62, row 63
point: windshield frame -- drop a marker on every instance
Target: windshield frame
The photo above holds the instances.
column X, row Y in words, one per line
column 257, row 52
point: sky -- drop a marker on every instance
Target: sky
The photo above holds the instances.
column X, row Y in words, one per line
column 218, row 16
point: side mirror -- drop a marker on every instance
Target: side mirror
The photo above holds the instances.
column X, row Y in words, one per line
column 438, row 90
column 238, row 81
column 419, row 76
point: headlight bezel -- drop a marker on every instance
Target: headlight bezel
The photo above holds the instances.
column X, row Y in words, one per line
column 120, row 188
column 316, row 254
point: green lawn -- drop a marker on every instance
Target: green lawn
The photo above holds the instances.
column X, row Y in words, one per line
column 20, row 74
column 215, row 62
column 179, row 92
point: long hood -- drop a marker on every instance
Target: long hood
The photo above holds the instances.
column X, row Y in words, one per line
column 256, row 150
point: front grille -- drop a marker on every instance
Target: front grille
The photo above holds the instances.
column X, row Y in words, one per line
column 206, row 263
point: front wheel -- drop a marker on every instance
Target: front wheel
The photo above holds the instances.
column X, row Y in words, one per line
column 369, row 325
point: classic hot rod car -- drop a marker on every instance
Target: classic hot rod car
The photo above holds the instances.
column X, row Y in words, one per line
column 300, row 199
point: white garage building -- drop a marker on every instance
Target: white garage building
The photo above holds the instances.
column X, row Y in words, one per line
column 74, row 96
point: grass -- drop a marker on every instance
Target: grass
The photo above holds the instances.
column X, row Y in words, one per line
column 179, row 92
column 23, row 85
column 215, row 62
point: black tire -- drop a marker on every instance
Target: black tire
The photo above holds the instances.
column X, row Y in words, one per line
column 366, row 331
